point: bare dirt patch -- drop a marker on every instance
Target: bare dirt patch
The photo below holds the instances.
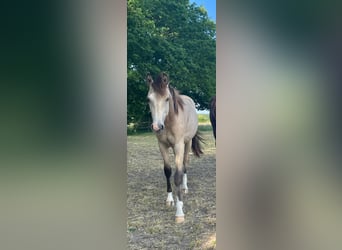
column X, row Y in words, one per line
column 151, row 224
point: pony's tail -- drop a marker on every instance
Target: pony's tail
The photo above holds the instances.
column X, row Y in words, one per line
column 196, row 144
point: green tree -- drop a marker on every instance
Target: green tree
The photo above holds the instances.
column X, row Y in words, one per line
column 173, row 36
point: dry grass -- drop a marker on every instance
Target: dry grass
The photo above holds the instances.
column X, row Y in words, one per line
column 150, row 223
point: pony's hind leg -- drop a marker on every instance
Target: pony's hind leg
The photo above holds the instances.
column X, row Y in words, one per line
column 178, row 178
column 167, row 171
column 185, row 164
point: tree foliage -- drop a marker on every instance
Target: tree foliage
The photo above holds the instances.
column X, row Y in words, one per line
column 172, row 36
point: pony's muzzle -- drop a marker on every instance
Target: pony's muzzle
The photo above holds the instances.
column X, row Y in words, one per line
column 157, row 127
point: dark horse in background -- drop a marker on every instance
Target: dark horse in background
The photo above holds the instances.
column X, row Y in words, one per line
column 212, row 114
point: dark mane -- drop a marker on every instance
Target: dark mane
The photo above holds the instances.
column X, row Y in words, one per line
column 177, row 100
column 160, row 84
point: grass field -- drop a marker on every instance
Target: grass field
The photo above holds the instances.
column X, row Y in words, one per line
column 150, row 223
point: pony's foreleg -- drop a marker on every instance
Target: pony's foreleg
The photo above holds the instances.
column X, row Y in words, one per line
column 178, row 178
column 167, row 171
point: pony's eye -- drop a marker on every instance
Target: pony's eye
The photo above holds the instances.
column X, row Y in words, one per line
column 167, row 99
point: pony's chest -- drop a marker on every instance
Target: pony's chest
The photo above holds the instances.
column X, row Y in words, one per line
column 167, row 138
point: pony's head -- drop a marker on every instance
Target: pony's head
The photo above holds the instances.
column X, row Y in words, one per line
column 158, row 98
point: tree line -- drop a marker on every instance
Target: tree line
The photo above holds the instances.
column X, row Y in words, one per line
column 172, row 36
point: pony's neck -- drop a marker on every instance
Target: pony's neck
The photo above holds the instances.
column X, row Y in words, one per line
column 171, row 115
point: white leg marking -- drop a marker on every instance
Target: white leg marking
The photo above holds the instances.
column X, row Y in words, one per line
column 179, row 211
column 185, row 184
column 169, row 199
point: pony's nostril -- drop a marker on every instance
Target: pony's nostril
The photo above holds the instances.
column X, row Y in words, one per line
column 161, row 126
column 155, row 127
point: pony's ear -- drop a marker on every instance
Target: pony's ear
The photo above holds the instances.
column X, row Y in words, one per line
column 165, row 79
column 149, row 79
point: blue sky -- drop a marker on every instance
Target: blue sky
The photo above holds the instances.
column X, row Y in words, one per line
column 209, row 5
